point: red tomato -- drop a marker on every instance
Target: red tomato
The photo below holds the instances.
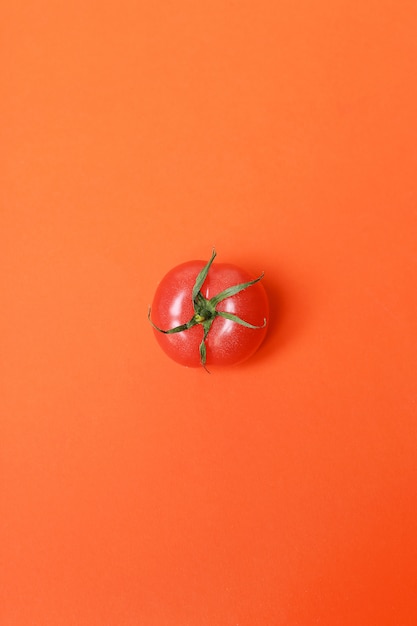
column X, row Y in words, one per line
column 194, row 328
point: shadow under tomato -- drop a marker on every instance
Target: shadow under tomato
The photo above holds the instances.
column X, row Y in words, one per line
column 289, row 311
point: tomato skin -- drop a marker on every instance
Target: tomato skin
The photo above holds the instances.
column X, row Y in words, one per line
column 227, row 342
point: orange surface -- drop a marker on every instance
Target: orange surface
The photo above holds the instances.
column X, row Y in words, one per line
column 135, row 136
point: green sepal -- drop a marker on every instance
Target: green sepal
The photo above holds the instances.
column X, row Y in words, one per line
column 201, row 277
column 176, row 329
column 232, row 291
column 238, row 320
column 202, row 348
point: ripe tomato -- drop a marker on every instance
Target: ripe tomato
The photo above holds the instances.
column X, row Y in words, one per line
column 205, row 314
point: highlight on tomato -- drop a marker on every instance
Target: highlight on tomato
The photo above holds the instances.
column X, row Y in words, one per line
column 209, row 313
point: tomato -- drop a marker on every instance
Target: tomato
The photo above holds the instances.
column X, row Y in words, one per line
column 205, row 314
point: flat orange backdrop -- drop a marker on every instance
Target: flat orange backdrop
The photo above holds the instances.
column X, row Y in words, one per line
column 136, row 135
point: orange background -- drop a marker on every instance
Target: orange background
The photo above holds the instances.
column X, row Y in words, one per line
column 135, row 136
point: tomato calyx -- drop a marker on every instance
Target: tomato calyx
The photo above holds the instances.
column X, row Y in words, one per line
column 205, row 311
